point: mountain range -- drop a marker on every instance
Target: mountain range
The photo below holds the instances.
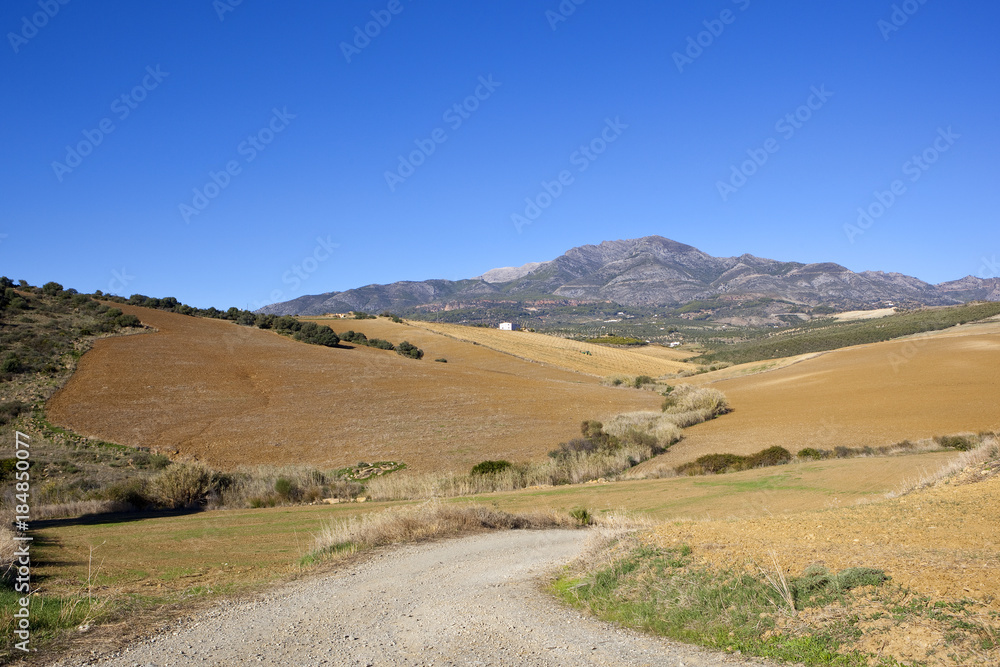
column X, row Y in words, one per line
column 649, row 272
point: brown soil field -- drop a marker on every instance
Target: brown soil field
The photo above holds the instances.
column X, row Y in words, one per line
column 913, row 388
column 236, row 396
column 569, row 354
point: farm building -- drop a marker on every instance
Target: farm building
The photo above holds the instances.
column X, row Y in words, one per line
column 509, row 326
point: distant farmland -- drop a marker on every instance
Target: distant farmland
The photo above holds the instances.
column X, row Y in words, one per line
column 569, row 354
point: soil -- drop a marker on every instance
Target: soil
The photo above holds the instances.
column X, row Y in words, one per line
column 239, row 396
column 918, row 387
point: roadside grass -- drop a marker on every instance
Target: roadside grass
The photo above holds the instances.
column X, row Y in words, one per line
column 664, row 591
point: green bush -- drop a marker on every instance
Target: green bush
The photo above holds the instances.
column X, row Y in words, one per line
column 12, row 364
column 442, row 360
column 491, row 467
column 582, row 515
column 132, row 492
column 813, row 453
column 642, row 380
column 11, row 410
column 286, row 488
column 772, row 456
column 960, row 442
column 408, row 350
column 127, row 320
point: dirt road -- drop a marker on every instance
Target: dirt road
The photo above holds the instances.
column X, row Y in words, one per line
column 469, row 601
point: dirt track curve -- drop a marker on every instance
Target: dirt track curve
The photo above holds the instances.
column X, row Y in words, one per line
column 469, row 601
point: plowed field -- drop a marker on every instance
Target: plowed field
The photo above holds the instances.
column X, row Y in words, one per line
column 879, row 394
column 234, row 396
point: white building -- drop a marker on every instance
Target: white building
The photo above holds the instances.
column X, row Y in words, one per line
column 508, row 326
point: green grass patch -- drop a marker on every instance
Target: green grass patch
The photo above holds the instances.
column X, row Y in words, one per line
column 663, row 592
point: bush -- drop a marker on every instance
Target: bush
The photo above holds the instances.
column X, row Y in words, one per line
column 12, row 364
column 960, row 442
column 642, row 380
column 11, row 410
column 772, row 456
column 442, row 360
column 127, row 320
column 182, row 485
column 408, row 350
column 582, row 516
column 491, row 467
column 286, row 488
column 51, row 288
column 131, row 492
column 813, row 453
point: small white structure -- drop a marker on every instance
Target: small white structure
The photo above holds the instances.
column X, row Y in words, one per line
column 508, row 326
column 674, row 344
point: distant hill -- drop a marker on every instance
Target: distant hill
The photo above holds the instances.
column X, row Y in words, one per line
column 651, row 271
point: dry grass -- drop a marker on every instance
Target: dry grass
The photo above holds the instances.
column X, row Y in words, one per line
column 426, row 521
column 572, row 468
column 78, row 508
column 234, row 396
column 599, row 360
column 7, row 548
column 986, row 451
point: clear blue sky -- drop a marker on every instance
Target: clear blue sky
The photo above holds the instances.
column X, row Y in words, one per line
column 202, row 82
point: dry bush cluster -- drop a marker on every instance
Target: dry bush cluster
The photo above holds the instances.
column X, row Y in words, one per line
column 603, row 451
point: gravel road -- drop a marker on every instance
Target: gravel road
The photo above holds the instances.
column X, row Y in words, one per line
column 468, row 601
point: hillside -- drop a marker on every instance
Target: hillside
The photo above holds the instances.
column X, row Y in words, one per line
column 233, row 395
column 651, row 271
column 870, row 395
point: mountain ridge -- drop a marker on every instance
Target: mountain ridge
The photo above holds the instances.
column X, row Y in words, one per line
column 650, row 271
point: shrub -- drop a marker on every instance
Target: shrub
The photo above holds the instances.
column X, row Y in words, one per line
column 582, row 516
column 491, row 467
column 772, row 456
column 408, row 350
column 133, row 492
column 52, row 288
column 380, row 344
column 127, row 320
column 441, row 360
column 960, row 442
column 642, row 380
column 11, row 410
column 182, row 485
column 286, row 488
column 812, row 453
column 12, row 364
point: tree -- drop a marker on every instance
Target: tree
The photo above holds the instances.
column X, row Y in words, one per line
column 51, row 288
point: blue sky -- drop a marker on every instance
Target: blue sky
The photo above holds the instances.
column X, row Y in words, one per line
column 236, row 154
